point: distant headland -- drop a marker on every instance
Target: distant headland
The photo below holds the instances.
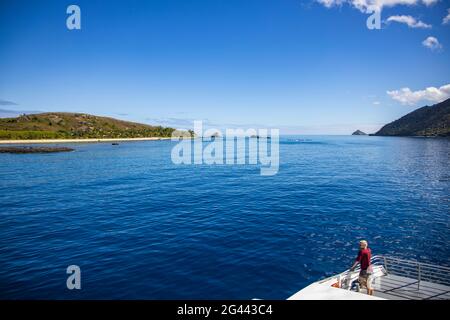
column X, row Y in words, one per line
column 428, row 121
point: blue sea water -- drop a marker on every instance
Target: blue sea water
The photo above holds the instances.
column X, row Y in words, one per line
column 141, row 227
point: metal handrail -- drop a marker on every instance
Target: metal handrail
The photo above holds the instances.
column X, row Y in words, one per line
column 409, row 262
column 418, row 270
column 405, row 268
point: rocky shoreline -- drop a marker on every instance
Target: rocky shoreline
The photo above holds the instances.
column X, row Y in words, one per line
column 21, row 150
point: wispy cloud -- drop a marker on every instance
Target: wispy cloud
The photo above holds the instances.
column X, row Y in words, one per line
column 429, row 2
column 7, row 103
column 333, row 129
column 409, row 21
column 188, row 123
column 7, row 113
column 446, row 20
column 364, row 5
column 432, row 43
column 408, row 97
column 177, row 123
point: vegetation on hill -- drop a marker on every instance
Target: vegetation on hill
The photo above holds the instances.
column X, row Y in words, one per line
column 59, row 125
column 425, row 121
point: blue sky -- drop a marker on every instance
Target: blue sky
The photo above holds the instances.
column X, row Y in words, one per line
column 302, row 66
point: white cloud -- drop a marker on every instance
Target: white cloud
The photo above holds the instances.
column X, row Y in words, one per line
column 432, row 94
column 376, row 103
column 446, row 20
column 331, row 3
column 410, row 21
column 363, row 5
column 432, row 43
column 429, row 2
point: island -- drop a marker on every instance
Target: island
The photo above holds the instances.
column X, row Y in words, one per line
column 359, row 133
column 428, row 121
column 74, row 127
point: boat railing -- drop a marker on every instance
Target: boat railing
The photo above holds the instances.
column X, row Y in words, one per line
column 385, row 265
column 413, row 269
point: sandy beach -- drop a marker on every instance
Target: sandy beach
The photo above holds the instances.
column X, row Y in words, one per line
column 42, row 141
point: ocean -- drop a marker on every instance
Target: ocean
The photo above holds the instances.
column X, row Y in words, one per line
column 141, row 227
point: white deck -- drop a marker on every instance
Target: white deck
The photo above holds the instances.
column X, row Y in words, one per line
column 394, row 287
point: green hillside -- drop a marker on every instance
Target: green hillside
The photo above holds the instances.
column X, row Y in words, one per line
column 426, row 121
column 61, row 125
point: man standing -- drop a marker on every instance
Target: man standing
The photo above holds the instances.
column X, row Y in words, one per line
column 363, row 258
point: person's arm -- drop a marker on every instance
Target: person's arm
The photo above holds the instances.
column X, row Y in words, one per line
column 354, row 265
column 357, row 260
